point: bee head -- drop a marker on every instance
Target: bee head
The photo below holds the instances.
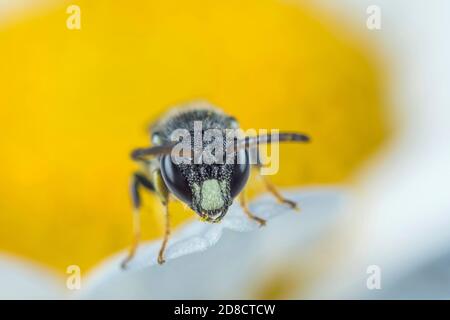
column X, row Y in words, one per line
column 209, row 189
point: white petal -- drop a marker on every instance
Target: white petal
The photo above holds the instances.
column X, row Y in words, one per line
column 211, row 261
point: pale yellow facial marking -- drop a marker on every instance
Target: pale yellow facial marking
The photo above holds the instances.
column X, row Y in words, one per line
column 211, row 195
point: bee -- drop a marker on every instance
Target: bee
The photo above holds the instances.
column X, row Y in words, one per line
column 208, row 189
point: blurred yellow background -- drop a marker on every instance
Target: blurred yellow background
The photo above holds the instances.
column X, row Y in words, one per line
column 75, row 102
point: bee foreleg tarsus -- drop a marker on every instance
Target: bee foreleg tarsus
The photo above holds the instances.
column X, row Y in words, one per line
column 243, row 203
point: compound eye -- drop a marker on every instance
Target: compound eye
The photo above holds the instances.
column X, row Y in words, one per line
column 241, row 172
column 175, row 180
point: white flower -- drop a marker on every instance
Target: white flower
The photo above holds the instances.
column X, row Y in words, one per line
column 221, row 260
column 396, row 215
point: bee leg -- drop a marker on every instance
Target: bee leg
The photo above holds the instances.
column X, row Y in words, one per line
column 137, row 180
column 166, row 236
column 243, row 203
column 163, row 194
column 273, row 190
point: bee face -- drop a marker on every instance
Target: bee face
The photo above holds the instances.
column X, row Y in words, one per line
column 208, row 189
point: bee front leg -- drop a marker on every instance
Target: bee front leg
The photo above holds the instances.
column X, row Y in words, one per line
column 137, row 180
column 243, row 203
column 268, row 184
column 273, row 190
column 166, row 236
column 155, row 185
column 163, row 194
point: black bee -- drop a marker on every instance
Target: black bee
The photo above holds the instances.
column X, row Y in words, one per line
column 208, row 189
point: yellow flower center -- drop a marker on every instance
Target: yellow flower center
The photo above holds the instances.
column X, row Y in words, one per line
column 75, row 102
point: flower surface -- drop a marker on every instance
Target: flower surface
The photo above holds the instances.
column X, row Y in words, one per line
column 74, row 103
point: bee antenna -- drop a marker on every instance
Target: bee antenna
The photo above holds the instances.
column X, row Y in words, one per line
column 250, row 142
column 142, row 153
